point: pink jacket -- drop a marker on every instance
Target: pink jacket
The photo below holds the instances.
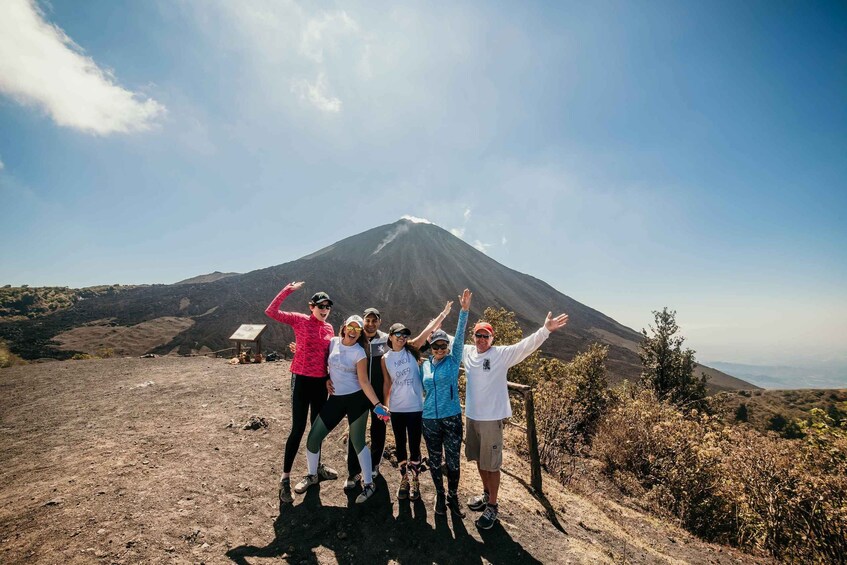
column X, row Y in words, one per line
column 312, row 337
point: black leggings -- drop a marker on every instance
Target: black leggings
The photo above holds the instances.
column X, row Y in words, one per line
column 306, row 393
column 404, row 423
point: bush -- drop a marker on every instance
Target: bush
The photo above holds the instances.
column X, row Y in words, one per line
column 7, row 358
column 732, row 484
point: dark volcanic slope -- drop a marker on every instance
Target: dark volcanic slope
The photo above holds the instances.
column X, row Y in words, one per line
column 407, row 270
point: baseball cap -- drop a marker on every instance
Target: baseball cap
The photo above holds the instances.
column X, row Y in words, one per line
column 439, row 335
column 320, row 297
column 373, row 311
column 399, row 328
column 355, row 319
column 484, row 326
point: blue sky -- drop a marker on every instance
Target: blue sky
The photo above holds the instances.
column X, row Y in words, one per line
column 633, row 155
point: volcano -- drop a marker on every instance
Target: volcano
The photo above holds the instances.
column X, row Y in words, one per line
column 407, row 270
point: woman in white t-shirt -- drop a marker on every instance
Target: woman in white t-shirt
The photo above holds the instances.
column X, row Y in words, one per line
column 404, row 394
column 352, row 396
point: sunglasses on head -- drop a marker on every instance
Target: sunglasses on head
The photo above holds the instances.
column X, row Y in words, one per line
column 482, row 336
column 353, row 328
column 323, row 306
column 438, row 346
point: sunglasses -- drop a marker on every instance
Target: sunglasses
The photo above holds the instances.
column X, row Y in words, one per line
column 323, row 306
column 438, row 346
column 400, row 336
column 352, row 328
column 482, row 336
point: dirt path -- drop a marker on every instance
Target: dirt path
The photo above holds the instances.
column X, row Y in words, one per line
column 135, row 461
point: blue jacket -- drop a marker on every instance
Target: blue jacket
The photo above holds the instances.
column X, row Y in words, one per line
column 441, row 378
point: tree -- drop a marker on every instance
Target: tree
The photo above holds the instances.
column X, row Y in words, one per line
column 741, row 413
column 668, row 369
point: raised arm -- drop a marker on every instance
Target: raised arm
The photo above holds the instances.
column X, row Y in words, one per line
column 433, row 325
column 273, row 311
column 514, row 354
column 459, row 339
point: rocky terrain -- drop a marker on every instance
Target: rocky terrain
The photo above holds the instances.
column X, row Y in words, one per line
column 131, row 460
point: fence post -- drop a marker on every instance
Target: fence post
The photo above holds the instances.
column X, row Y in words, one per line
column 532, row 441
column 531, row 436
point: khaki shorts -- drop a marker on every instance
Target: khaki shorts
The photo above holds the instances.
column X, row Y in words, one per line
column 484, row 443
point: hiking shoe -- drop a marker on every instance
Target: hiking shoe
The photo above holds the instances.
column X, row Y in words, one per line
column 454, row 505
column 366, row 493
column 327, row 473
column 307, row 481
column 440, row 503
column 403, row 491
column 486, row 521
column 414, row 488
column 285, row 495
column 477, row 503
column 352, row 482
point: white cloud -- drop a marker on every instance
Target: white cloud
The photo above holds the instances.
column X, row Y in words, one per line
column 458, row 232
column 467, row 214
column 480, row 246
column 41, row 66
column 503, row 241
column 2, row 166
column 316, row 93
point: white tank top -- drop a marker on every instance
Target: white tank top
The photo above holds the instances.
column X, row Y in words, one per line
column 406, row 385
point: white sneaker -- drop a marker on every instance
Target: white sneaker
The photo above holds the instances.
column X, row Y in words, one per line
column 352, row 482
column 367, row 492
column 307, row 481
column 327, row 473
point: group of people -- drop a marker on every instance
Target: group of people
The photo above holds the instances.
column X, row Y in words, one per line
column 364, row 373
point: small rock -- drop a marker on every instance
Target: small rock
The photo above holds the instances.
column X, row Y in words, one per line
column 205, row 546
column 342, row 535
column 170, row 549
column 54, row 502
column 101, row 531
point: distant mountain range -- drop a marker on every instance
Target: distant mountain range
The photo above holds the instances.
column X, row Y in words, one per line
column 783, row 377
column 408, row 270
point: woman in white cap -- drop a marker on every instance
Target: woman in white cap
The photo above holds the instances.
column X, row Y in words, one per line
column 352, row 396
column 403, row 392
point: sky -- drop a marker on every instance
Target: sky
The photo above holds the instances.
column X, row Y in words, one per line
column 634, row 155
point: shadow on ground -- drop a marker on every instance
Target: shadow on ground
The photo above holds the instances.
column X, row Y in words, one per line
column 371, row 533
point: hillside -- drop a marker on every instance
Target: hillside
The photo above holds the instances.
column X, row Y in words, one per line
column 407, row 270
column 146, row 461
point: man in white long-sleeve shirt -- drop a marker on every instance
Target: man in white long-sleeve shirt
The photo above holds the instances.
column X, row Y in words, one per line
column 487, row 405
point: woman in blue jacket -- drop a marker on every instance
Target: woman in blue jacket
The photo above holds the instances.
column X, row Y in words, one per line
column 442, row 413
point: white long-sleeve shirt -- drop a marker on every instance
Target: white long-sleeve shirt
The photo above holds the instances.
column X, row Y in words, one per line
column 487, row 392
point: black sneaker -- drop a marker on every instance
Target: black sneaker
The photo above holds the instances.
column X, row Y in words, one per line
column 454, row 505
column 440, row 503
column 478, row 503
column 367, row 492
column 486, row 521
column 285, row 495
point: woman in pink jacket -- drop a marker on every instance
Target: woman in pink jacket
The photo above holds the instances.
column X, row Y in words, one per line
column 308, row 374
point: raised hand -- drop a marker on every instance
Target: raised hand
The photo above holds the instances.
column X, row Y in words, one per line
column 552, row 324
column 465, row 299
column 297, row 285
column 447, row 309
